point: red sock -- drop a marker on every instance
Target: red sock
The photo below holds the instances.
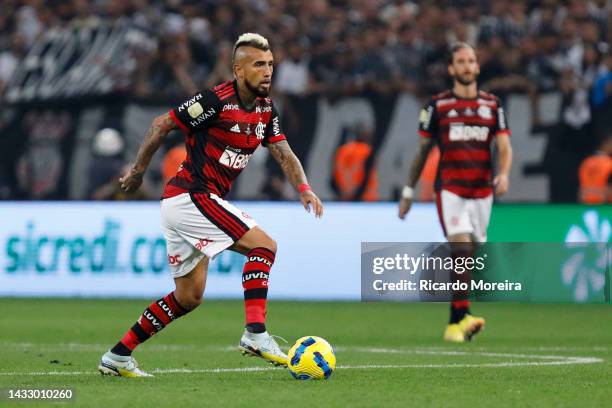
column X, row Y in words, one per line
column 158, row 315
column 460, row 304
column 255, row 283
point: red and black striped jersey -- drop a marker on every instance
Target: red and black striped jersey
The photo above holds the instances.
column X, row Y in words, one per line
column 464, row 130
column 221, row 135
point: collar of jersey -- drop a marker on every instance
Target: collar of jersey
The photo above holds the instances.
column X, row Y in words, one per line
column 458, row 97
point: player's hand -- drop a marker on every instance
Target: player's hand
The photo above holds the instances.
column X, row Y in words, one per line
column 404, row 207
column 309, row 198
column 131, row 180
column 501, row 184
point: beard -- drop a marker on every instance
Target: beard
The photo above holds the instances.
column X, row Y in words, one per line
column 466, row 79
column 261, row 93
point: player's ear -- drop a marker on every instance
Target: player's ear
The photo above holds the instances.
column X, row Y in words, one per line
column 238, row 71
column 451, row 70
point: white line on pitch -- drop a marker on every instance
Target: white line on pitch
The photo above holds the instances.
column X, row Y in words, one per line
column 561, row 361
column 85, row 347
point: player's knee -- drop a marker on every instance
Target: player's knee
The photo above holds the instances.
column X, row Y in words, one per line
column 265, row 241
column 192, row 301
column 188, row 299
column 271, row 245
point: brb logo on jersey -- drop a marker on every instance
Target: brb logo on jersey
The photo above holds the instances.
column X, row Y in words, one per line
column 233, row 159
column 463, row 133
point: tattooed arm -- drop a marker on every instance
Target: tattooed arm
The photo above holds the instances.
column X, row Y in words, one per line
column 294, row 172
column 161, row 126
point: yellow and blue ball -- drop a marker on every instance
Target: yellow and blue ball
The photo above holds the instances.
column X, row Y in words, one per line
column 311, row 358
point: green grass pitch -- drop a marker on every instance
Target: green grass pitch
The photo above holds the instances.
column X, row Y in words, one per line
column 388, row 355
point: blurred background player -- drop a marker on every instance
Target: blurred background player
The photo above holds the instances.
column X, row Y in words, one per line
column 595, row 173
column 351, row 169
column 463, row 122
column 223, row 127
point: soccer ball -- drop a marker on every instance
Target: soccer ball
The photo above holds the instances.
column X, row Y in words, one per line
column 311, row 358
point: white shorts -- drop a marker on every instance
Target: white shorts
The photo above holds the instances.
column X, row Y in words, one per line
column 460, row 215
column 197, row 225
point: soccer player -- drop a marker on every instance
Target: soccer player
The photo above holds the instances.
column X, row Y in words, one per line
column 463, row 122
column 222, row 127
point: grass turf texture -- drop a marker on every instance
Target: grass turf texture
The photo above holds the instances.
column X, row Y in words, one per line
column 70, row 335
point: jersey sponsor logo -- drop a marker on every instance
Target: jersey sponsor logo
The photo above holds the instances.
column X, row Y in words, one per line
column 276, row 126
column 462, row 133
column 195, row 110
column 235, row 128
column 234, row 160
column 485, row 112
column 259, row 130
column 425, row 117
column 256, row 258
column 154, row 322
column 230, row 106
column 501, row 118
column 174, row 259
column 166, row 309
column 202, row 117
column 202, row 243
column 263, row 109
column 190, row 102
column 256, row 275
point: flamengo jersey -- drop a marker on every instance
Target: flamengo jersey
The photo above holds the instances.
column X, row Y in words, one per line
column 464, row 130
column 220, row 136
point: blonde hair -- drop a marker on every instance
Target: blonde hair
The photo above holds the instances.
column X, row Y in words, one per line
column 251, row 40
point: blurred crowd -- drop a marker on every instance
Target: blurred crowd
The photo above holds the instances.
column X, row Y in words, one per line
column 337, row 48
column 341, row 47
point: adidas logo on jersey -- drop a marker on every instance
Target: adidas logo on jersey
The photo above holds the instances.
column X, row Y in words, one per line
column 235, row 128
column 453, row 113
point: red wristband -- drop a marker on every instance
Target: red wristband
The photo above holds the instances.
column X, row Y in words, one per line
column 303, row 187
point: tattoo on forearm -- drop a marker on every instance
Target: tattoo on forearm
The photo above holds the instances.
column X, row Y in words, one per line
column 160, row 127
column 289, row 162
